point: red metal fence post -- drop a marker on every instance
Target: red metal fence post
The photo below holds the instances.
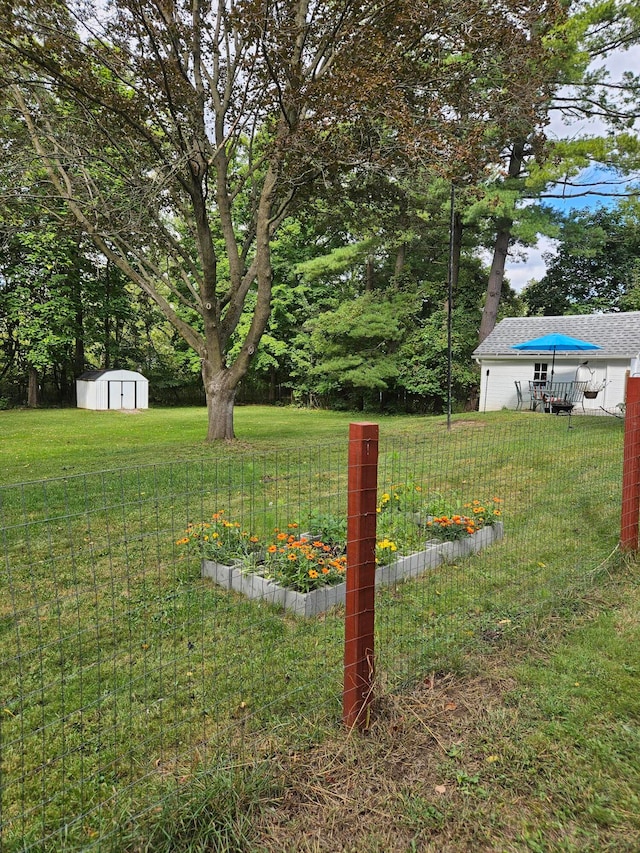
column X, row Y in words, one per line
column 361, row 573
column 631, row 471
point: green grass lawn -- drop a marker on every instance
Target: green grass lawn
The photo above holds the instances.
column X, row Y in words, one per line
column 125, row 675
column 531, row 746
column 49, row 442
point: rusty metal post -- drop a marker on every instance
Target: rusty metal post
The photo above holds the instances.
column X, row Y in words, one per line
column 630, row 516
column 361, row 573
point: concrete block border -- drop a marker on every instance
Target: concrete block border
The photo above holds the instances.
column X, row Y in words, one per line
column 308, row 604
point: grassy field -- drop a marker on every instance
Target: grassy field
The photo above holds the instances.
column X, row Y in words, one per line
column 51, row 442
column 126, row 677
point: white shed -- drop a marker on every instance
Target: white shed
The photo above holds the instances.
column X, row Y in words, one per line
column 112, row 389
column 617, row 335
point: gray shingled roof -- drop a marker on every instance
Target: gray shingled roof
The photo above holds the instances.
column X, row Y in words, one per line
column 92, row 375
column 618, row 335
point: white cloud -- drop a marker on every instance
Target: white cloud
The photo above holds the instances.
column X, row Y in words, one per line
column 529, row 263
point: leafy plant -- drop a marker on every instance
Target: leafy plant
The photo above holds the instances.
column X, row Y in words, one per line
column 300, row 563
column 449, row 528
column 456, row 526
column 332, row 529
column 401, row 497
column 439, row 504
column 386, row 551
column 485, row 513
column 219, row 539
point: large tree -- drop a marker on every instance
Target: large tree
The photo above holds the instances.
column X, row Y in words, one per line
column 181, row 135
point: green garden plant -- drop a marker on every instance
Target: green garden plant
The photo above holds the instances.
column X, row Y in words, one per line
column 451, row 527
column 220, row 540
column 302, row 564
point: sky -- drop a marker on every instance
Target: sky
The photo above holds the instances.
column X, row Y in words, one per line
column 529, row 263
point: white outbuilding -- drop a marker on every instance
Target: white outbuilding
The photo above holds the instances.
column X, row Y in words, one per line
column 112, row 389
column 503, row 368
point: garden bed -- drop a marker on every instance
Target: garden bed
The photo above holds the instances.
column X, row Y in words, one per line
column 307, row 604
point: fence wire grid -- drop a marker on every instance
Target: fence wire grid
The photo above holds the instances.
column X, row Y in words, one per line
column 126, row 673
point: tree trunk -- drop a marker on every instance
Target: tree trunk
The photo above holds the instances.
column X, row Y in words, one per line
column 494, row 286
column 501, row 248
column 32, row 394
column 401, row 256
column 221, row 393
column 368, row 277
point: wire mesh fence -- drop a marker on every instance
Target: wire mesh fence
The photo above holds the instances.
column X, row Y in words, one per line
column 126, row 673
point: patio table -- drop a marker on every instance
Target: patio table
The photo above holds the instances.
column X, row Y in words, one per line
column 556, row 397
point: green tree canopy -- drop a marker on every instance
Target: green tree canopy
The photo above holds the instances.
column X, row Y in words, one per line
column 181, row 137
column 596, row 268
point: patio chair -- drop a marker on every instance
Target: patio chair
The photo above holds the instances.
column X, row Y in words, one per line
column 518, row 394
column 537, row 394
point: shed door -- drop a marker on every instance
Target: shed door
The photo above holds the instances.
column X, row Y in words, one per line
column 122, row 395
column 115, row 394
column 128, row 395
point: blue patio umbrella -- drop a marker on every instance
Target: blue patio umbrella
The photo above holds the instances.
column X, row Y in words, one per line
column 554, row 343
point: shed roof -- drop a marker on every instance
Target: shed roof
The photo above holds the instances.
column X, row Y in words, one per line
column 617, row 335
column 115, row 374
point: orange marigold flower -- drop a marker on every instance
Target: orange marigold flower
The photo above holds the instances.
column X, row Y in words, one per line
column 317, row 544
column 292, row 526
column 325, row 571
column 293, row 557
column 253, row 539
column 281, row 536
column 313, row 573
column 272, row 549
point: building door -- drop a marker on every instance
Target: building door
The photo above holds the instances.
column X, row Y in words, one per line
column 128, row 395
column 122, row 395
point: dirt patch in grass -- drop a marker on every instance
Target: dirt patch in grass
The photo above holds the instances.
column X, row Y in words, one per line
column 391, row 789
column 466, row 424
